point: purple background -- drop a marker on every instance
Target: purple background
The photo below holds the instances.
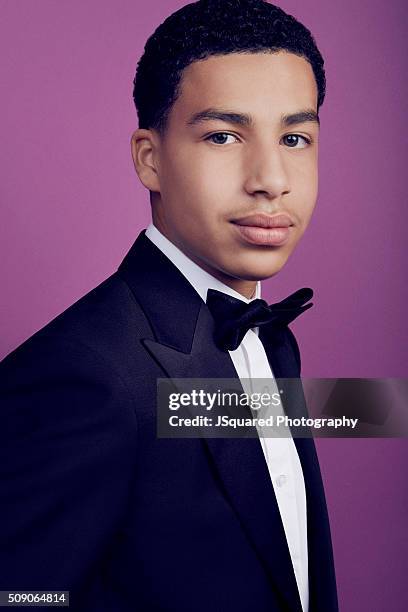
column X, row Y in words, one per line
column 72, row 206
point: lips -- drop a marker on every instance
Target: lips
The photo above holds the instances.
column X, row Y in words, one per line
column 265, row 230
column 262, row 220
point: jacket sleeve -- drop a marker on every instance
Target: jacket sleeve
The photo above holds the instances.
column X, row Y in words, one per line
column 67, row 458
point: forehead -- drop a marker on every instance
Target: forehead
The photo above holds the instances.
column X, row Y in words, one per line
column 264, row 84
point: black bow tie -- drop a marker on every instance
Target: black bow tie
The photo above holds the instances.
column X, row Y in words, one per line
column 233, row 317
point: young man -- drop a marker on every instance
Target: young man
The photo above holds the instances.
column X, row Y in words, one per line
column 228, row 94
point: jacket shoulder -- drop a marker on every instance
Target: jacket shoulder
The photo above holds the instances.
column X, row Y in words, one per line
column 101, row 320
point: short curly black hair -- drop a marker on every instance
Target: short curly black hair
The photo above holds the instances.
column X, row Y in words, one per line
column 214, row 27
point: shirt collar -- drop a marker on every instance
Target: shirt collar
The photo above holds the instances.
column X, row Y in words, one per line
column 200, row 280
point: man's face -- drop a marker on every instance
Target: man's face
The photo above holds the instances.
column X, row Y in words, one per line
column 235, row 161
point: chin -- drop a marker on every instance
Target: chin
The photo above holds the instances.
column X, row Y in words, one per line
column 259, row 275
column 253, row 274
column 259, row 270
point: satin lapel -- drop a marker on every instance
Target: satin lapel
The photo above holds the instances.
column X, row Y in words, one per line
column 282, row 352
column 285, row 367
column 183, row 346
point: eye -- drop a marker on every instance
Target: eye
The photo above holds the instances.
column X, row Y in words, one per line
column 293, row 140
column 220, row 138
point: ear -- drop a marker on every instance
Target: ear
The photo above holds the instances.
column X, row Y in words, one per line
column 144, row 146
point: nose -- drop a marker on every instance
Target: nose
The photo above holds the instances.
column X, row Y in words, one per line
column 266, row 173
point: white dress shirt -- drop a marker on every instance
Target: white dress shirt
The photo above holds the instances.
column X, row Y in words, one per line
column 250, row 362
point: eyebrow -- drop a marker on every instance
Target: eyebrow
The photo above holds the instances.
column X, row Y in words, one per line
column 243, row 119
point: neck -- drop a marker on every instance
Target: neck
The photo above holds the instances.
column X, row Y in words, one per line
column 246, row 288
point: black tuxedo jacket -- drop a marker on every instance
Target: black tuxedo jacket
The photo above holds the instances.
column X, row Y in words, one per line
column 92, row 502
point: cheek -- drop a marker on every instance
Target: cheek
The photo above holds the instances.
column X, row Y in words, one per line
column 305, row 188
column 198, row 181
